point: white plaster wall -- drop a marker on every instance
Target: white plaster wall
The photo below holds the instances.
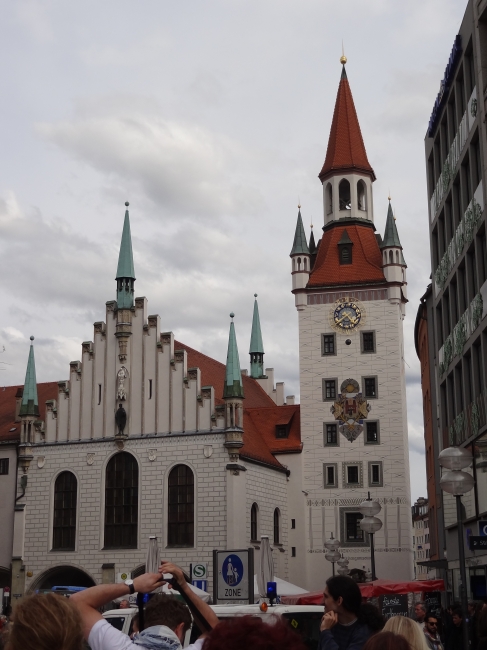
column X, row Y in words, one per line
column 210, row 507
column 394, row 541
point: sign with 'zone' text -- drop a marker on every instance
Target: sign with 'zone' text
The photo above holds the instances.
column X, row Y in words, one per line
column 233, row 575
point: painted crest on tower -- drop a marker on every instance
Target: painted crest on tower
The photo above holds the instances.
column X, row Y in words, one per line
column 350, row 410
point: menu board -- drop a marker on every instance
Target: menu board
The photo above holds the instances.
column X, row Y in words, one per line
column 432, row 602
column 394, row 605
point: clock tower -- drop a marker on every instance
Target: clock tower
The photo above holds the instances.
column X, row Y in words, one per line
column 350, row 293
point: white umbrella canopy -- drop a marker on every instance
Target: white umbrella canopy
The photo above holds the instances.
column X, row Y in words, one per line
column 166, row 589
column 284, row 588
column 266, row 567
column 153, row 560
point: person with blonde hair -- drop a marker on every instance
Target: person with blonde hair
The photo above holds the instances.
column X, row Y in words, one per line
column 409, row 629
column 46, row 622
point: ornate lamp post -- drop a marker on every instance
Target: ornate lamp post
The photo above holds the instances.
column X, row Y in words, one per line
column 332, row 555
column 343, row 564
column 370, row 524
column 456, row 482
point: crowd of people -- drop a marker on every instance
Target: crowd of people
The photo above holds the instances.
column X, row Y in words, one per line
column 52, row 622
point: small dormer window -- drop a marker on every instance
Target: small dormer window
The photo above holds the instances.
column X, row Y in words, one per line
column 282, row 431
column 345, row 249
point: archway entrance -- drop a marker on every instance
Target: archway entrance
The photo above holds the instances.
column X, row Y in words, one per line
column 62, row 576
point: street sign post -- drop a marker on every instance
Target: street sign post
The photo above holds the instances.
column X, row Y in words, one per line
column 478, row 543
column 199, row 575
column 233, row 576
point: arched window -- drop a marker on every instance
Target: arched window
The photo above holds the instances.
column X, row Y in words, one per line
column 344, row 195
column 64, row 524
column 361, row 195
column 391, row 258
column 329, row 198
column 294, row 264
column 180, row 520
column 277, row 526
column 305, row 264
column 121, row 501
column 397, row 257
column 254, row 522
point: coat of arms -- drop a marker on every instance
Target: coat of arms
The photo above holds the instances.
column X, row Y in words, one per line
column 350, row 410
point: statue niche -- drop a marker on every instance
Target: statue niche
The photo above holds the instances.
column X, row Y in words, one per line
column 122, row 375
column 121, row 419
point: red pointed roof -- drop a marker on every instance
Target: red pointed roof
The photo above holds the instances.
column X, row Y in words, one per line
column 366, row 263
column 346, row 149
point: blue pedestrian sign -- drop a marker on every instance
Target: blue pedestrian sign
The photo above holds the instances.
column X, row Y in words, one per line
column 234, row 575
column 482, row 528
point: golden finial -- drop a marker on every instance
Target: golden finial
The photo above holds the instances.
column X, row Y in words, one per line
column 299, row 206
column 311, row 224
column 343, row 58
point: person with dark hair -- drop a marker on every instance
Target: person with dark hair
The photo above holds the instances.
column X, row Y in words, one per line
column 166, row 618
column 344, row 626
column 243, row 632
column 372, row 615
column 431, row 632
column 473, row 609
column 454, row 639
column 387, row 641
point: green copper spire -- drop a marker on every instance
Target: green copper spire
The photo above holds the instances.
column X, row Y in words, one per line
column 30, row 404
column 391, row 236
column 125, row 269
column 233, row 386
column 300, row 245
column 256, row 350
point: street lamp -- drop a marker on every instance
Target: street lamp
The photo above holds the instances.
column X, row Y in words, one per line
column 456, row 482
column 370, row 524
column 343, row 564
column 332, row 555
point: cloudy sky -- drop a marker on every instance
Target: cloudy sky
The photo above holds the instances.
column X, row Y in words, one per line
column 212, row 119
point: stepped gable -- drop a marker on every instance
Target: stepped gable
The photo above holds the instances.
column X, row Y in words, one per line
column 213, row 374
column 346, row 150
column 46, row 391
column 366, row 264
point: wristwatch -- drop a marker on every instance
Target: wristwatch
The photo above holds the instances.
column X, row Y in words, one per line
column 130, row 585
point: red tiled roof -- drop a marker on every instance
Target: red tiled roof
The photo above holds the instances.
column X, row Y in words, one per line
column 366, row 258
column 266, row 420
column 346, row 149
column 46, row 391
column 213, row 374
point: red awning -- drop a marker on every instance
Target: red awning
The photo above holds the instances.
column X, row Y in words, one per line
column 370, row 590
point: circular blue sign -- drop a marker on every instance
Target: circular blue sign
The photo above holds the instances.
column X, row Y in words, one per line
column 232, row 570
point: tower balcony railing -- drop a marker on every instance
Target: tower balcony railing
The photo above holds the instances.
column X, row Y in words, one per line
column 467, row 324
column 451, row 162
column 461, row 239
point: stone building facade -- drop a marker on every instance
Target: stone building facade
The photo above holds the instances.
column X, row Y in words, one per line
column 350, row 294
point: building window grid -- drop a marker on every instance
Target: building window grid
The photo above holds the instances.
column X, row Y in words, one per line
column 372, row 432
column 330, row 475
column 277, row 526
column 121, row 501
column 352, row 475
column 64, row 520
column 254, row 524
column 329, row 389
column 328, row 344
column 4, row 463
column 370, row 387
column 368, row 342
column 180, row 530
column 352, row 527
column 330, row 435
column 375, row 474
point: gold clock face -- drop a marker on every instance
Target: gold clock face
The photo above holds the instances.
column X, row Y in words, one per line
column 347, row 316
